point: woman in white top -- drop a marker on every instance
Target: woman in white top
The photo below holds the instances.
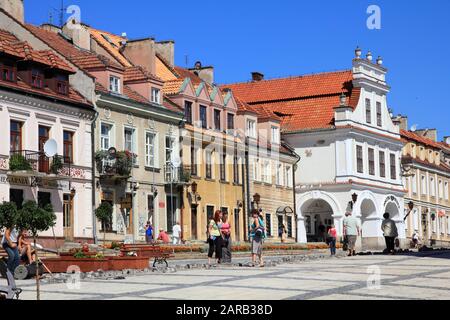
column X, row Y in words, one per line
column 9, row 243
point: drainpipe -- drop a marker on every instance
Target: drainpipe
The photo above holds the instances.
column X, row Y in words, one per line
column 247, row 182
column 94, row 188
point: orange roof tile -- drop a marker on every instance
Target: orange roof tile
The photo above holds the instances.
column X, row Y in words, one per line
column 304, row 102
column 138, row 74
column 163, row 71
column 409, row 135
column 172, row 87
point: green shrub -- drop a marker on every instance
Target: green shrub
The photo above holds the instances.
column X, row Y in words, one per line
column 18, row 162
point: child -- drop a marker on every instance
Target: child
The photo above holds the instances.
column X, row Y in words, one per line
column 26, row 254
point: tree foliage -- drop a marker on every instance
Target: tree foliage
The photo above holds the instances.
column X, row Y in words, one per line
column 8, row 215
column 104, row 212
column 36, row 219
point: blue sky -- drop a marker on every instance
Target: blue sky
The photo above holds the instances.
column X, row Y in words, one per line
column 293, row 37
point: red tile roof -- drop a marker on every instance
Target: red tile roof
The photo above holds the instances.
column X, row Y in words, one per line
column 409, row 135
column 304, row 102
column 138, row 74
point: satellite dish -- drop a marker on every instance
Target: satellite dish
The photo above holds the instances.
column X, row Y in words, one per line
column 414, row 128
column 51, row 148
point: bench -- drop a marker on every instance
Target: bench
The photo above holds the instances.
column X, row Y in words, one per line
column 11, row 291
column 159, row 255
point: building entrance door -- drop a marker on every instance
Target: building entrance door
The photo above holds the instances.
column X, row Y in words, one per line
column 194, row 234
column 68, row 217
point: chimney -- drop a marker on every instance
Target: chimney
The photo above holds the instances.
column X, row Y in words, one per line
column 141, row 52
column 447, row 140
column 166, row 49
column 51, row 27
column 428, row 133
column 204, row 73
column 257, row 76
column 402, row 121
column 78, row 33
column 15, row 8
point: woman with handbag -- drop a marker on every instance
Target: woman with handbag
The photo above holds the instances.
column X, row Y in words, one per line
column 226, row 236
column 257, row 234
column 215, row 237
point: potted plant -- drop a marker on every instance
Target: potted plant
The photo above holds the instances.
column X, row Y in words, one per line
column 124, row 163
column 104, row 215
column 18, row 162
column 57, row 165
column 100, row 156
column 36, row 219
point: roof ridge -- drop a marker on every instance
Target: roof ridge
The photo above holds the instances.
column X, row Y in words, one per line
column 288, row 77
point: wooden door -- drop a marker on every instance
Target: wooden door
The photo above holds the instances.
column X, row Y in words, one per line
column 68, row 217
column 44, row 133
column 194, row 234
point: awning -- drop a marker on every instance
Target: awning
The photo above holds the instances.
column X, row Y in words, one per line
column 441, row 213
column 285, row 210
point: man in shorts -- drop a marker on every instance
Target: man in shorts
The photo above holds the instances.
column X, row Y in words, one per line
column 352, row 229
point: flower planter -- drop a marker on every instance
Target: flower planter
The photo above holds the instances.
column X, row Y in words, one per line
column 61, row 264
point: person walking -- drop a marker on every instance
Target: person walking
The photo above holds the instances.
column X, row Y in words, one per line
column 215, row 237
column 390, row 231
column 226, row 236
column 148, row 233
column 257, row 234
column 10, row 245
column 352, row 229
column 282, row 232
column 176, row 233
column 332, row 236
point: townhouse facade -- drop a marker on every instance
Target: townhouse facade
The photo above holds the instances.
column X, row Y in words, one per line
column 427, row 202
column 38, row 105
column 340, row 125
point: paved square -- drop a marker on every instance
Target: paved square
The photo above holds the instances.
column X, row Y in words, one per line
column 401, row 277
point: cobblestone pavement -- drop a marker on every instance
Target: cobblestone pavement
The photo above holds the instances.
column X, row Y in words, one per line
column 413, row 276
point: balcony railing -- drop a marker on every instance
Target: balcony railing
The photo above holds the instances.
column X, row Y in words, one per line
column 176, row 175
column 118, row 165
column 37, row 162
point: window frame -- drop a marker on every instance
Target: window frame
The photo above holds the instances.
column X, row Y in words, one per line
column 68, row 146
column 371, row 158
column 188, row 111
column 203, row 114
column 359, row 160
column 368, row 109
column 115, row 85
column 18, row 133
column 155, row 95
column 379, row 114
column 393, row 166
column 148, row 156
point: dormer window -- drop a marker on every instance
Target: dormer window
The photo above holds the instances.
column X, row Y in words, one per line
column 62, row 85
column 275, row 135
column 156, row 96
column 8, row 73
column 37, row 79
column 114, row 84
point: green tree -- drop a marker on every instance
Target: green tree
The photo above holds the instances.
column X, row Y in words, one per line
column 104, row 215
column 36, row 219
column 8, row 215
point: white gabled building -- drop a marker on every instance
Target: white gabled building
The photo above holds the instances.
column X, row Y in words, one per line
column 341, row 126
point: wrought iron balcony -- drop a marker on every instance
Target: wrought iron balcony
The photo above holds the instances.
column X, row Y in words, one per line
column 177, row 175
column 33, row 162
column 117, row 165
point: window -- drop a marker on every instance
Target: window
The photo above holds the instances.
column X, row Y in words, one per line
column 203, row 117
column 44, row 199
column 171, row 211
column 15, row 136
column 275, row 135
column 217, row 117
column 308, row 224
column 251, row 128
column 288, row 176
column 371, row 162
column 61, row 87
column 188, row 112
column 441, row 190
column 279, row 175
column 150, row 139
column 128, row 138
column 194, row 170
column 114, row 84
column 424, row 185
column 393, row 167
column 289, row 227
column 235, row 168
column 105, row 136
column 156, row 96
column 267, row 172
column 8, row 73
column 359, row 159
column 208, row 161
column 379, row 115
column 16, row 196
column 68, row 147
column 223, row 165
column 368, row 111
column 446, row 190
column 414, row 184
column 170, row 142
column 382, row 161
column 230, row 121
column 256, row 170
column 37, row 79
column 210, row 212
column 269, row 224
column 432, row 187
